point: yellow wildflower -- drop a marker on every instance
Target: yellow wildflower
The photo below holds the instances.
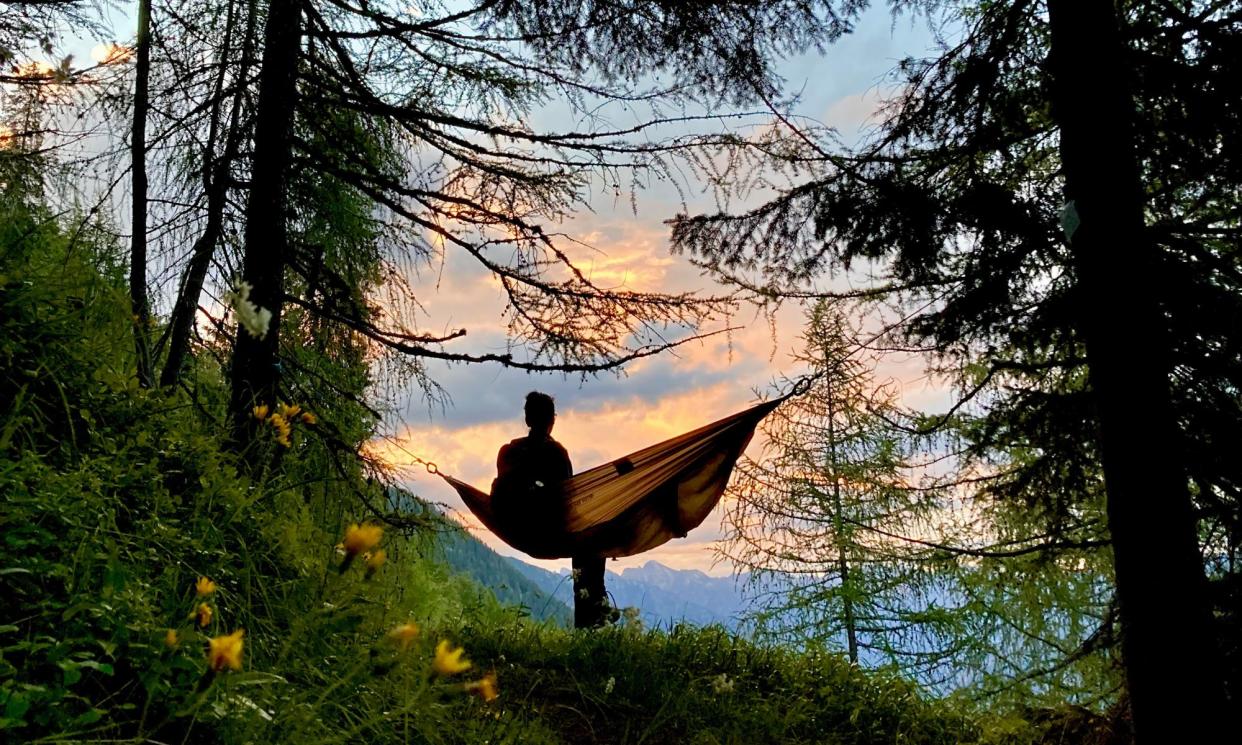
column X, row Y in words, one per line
column 283, row 430
column 360, row 538
column 203, row 613
column 448, row 661
column 288, row 411
column 404, row 634
column 485, row 687
column 374, row 561
column 309, row 419
column 171, row 640
column 225, row 651
column 204, row 587
column 260, row 412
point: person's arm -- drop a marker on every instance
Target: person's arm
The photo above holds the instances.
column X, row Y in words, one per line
column 502, row 460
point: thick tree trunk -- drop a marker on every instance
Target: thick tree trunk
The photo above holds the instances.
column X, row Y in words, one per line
column 255, row 375
column 1176, row 693
column 140, row 305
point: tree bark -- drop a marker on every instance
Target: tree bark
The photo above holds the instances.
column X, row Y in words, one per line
column 139, row 303
column 1176, row 692
column 255, row 375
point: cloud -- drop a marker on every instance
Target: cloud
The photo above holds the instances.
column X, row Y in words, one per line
column 112, row 54
column 602, row 418
column 853, row 115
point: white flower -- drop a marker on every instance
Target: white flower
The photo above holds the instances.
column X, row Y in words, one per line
column 612, row 683
column 251, row 317
column 722, row 684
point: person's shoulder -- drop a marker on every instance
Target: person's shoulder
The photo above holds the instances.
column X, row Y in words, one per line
column 515, row 445
column 558, row 447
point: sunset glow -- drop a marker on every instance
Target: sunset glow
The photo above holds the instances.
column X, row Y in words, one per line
column 603, row 418
column 112, row 54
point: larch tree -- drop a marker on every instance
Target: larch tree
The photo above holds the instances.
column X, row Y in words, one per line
column 858, row 532
column 234, row 99
column 814, row 520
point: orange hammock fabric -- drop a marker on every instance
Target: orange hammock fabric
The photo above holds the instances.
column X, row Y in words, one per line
column 630, row 505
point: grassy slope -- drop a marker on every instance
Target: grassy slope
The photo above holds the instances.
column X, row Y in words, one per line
column 115, row 500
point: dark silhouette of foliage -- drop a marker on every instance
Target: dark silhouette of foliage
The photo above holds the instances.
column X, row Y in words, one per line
column 959, row 197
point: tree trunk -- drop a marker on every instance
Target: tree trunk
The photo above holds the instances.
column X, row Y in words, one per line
column 843, row 565
column 216, row 177
column 255, row 375
column 139, row 304
column 1176, row 692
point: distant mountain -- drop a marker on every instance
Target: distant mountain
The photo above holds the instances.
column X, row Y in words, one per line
column 466, row 555
column 662, row 595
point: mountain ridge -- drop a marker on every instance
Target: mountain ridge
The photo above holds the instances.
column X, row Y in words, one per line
column 662, row 595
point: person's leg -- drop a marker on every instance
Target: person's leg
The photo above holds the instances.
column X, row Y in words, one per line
column 590, row 599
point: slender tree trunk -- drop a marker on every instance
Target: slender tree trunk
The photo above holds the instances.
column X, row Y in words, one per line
column 1176, row 692
column 140, row 305
column 216, row 182
column 255, row 376
column 186, row 308
column 843, row 565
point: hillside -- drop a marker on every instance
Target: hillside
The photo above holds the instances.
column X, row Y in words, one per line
column 662, row 596
column 160, row 588
column 511, row 586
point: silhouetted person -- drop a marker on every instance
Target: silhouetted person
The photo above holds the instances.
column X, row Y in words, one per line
column 529, row 471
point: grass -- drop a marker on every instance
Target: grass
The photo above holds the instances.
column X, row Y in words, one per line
column 117, row 500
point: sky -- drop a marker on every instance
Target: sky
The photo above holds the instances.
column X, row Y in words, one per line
column 603, row 418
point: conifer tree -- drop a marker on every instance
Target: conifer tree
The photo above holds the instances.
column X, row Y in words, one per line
column 972, row 195
column 812, row 521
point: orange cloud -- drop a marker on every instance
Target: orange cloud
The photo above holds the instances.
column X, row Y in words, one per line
column 592, row 436
column 112, row 54
column 34, row 70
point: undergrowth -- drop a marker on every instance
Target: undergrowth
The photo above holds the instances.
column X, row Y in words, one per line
column 117, row 500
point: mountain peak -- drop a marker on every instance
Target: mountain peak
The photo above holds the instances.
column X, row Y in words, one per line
column 661, row 574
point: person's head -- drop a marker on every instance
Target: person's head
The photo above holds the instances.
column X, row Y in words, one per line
column 540, row 412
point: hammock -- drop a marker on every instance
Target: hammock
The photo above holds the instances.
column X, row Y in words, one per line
column 632, row 504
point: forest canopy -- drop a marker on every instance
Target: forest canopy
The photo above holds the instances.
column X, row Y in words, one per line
column 225, row 246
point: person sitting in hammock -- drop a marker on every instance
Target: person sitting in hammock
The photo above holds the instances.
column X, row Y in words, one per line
column 526, row 491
